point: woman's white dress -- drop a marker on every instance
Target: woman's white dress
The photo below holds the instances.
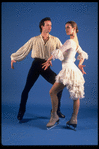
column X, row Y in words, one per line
column 70, row 75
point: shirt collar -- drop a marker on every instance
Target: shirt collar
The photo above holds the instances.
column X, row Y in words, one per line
column 41, row 35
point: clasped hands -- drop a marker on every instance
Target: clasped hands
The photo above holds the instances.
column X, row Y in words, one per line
column 46, row 64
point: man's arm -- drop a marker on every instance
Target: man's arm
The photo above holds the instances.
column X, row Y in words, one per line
column 20, row 54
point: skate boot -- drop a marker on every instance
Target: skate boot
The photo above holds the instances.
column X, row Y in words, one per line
column 20, row 115
column 54, row 118
column 72, row 122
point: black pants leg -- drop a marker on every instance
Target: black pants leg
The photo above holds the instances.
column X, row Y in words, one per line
column 31, row 79
column 34, row 72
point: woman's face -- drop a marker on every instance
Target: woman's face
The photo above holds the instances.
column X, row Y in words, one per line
column 69, row 29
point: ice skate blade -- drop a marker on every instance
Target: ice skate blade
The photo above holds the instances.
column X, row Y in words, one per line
column 72, row 126
column 19, row 121
column 50, row 127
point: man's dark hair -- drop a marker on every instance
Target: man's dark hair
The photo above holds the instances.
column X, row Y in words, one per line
column 42, row 22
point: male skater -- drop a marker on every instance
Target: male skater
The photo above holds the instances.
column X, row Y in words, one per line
column 41, row 47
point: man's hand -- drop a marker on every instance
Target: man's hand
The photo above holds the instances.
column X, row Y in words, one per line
column 46, row 64
column 13, row 61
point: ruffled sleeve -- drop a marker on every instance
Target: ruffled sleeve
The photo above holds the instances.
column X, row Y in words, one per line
column 20, row 54
column 82, row 54
column 59, row 53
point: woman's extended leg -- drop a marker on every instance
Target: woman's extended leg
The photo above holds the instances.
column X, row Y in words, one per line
column 56, row 88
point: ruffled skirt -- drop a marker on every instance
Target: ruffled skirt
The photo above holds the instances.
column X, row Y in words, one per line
column 72, row 77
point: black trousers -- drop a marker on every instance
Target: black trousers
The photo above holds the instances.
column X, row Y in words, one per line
column 34, row 72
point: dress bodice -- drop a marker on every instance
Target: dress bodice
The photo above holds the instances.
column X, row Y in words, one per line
column 68, row 51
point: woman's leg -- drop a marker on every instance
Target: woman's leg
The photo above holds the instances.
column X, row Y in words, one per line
column 73, row 120
column 50, row 75
column 76, row 105
column 56, row 88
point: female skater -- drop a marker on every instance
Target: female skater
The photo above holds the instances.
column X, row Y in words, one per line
column 70, row 76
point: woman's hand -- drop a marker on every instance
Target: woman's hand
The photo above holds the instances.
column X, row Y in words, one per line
column 46, row 64
column 81, row 68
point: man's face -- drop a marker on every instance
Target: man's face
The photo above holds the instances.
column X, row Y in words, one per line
column 47, row 27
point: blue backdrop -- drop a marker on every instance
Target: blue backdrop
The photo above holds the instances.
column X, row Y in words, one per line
column 20, row 22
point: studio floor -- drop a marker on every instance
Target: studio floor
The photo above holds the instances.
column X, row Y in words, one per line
column 32, row 129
